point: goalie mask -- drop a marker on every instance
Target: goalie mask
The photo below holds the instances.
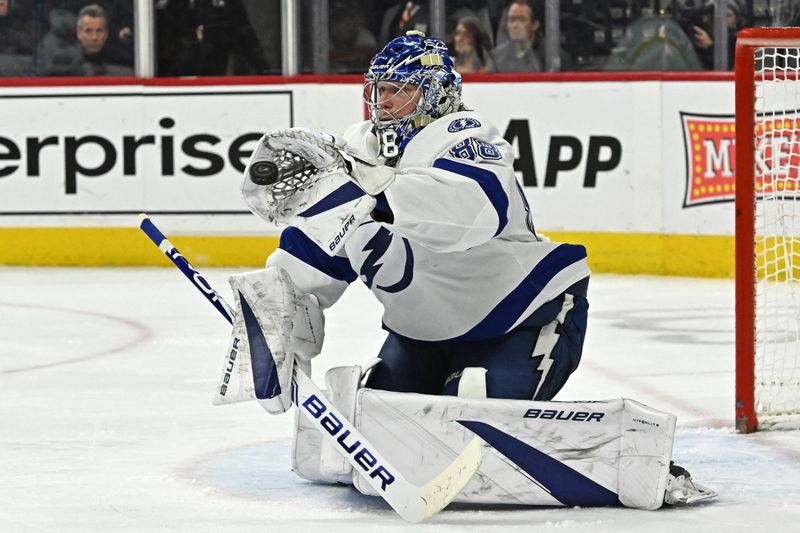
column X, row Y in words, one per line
column 409, row 84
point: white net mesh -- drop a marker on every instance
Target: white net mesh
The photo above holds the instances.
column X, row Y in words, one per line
column 777, row 231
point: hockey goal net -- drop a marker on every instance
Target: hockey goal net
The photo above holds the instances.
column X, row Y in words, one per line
column 767, row 228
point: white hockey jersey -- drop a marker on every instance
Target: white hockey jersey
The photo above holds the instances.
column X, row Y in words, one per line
column 461, row 259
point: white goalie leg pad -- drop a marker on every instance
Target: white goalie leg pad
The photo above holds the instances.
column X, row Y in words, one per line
column 276, row 325
column 644, row 457
column 534, row 453
column 313, row 457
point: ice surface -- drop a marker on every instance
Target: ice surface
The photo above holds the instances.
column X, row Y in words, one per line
column 107, row 378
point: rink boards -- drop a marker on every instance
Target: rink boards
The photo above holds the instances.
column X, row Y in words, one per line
column 639, row 168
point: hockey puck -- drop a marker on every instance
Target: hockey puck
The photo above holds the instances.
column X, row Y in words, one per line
column 264, row 173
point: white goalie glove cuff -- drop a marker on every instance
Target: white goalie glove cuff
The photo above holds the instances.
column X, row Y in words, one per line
column 276, row 327
column 373, row 179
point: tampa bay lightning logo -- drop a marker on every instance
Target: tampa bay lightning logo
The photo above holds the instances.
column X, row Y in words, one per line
column 377, row 247
column 460, row 124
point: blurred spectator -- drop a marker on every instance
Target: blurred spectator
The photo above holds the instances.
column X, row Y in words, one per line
column 16, row 36
column 351, row 44
column 466, row 8
column 223, row 42
column 119, row 22
column 654, row 43
column 120, row 29
column 539, row 33
column 517, row 54
column 17, row 41
column 92, row 34
column 702, row 31
column 404, row 17
column 59, row 53
column 175, row 36
column 92, row 29
column 206, row 38
column 77, row 46
column 470, row 48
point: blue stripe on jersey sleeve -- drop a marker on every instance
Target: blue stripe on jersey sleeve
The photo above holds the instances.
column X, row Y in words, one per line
column 347, row 192
column 502, row 317
column 488, row 182
column 296, row 243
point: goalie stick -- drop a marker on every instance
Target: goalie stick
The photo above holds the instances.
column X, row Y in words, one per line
column 413, row 503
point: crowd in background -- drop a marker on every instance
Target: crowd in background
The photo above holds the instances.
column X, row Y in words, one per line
column 66, row 38
column 243, row 37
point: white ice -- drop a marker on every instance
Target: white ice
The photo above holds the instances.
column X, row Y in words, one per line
column 106, row 419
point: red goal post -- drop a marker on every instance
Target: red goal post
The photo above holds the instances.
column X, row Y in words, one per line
column 767, row 226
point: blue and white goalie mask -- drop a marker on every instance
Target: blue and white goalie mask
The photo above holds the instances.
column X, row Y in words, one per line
column 409, row 84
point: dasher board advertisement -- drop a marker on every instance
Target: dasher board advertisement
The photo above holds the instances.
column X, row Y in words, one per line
column 128, row 149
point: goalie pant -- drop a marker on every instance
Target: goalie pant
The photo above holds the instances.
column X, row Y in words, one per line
column 599, row 453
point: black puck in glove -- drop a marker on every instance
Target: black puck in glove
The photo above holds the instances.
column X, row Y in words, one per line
column 264, row 173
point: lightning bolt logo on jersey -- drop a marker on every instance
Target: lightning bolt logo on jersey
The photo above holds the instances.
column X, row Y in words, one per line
column 379, row 246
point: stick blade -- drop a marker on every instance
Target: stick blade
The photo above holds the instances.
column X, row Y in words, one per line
column 441, row 490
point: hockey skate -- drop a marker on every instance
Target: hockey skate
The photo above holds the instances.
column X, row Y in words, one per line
column 682, row 489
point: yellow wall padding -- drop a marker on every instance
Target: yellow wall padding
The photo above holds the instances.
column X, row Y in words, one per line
column 710, row 256
column 125, row 247
column 622, row 253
